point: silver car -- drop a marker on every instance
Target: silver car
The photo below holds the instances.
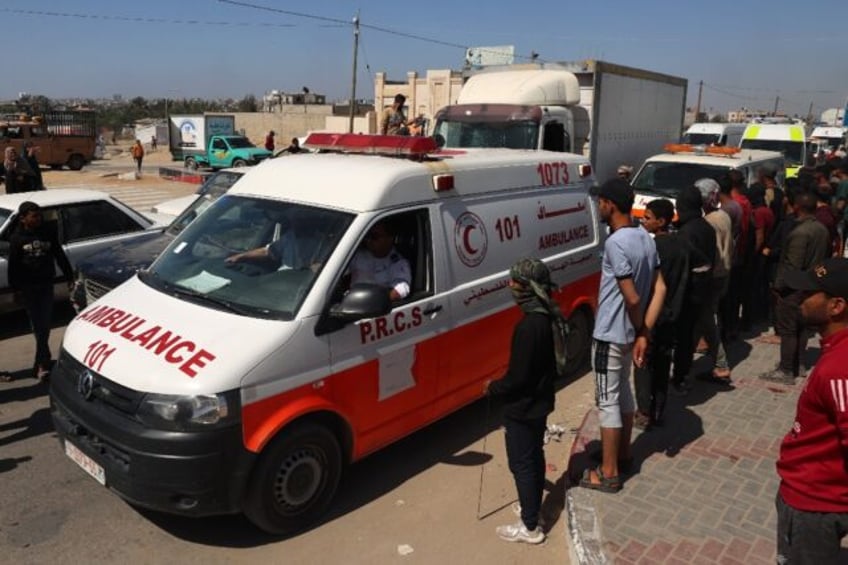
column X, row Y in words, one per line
column 86, row 221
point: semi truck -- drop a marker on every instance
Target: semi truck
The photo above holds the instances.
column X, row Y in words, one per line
column 611, row 113
column 211, row 141
column 65, row 138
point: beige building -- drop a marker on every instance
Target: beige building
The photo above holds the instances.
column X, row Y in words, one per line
column 424, row 95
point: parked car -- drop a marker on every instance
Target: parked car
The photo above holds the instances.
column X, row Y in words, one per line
column 87, row 222
column 215, row 185
column 103, row 271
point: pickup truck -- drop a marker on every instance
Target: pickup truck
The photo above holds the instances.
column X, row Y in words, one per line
column 227, row 151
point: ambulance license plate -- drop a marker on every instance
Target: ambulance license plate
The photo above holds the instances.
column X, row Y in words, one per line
column 87, row 463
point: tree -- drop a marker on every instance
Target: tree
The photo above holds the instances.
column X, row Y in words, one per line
column 247, row 104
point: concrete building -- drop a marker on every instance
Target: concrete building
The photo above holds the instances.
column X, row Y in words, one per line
column 425, row 95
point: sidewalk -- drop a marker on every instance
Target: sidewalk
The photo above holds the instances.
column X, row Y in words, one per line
column 703, row 486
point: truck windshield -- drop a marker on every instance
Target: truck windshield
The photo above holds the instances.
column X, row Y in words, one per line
column 513, row 135
column 701, row 138
column 667, row 179
column 793, row 151
column 250, row 256
column 239, row 142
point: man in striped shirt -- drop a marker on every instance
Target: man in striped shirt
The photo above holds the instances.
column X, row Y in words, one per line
column 812, row 501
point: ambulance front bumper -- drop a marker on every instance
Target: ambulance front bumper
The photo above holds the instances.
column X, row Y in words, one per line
column 198, row 473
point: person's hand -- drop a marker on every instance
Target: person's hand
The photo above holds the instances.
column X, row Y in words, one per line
column 640, row 350
column 233, row 258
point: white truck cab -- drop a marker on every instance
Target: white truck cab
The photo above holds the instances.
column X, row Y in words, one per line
column 205, row 386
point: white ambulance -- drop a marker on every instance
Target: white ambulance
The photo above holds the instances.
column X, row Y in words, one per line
column 203, row 386
column 666, row 174
column 788, row 139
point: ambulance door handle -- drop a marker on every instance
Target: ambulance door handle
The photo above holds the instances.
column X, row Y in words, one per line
column 432, row 310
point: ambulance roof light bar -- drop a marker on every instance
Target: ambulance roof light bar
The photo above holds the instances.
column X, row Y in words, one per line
column 700, row 149
column 372, row 144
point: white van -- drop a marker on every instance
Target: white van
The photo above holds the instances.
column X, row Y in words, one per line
column 203, row 387
column 727, row 135
column 788, row 139
column 826, row 139
column 666, row 174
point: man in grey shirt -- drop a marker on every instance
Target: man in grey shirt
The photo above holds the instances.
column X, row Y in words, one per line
column 631, row 295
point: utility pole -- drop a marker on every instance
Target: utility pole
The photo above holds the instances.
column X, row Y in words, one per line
column 698, row 104
column 810, row 114
column 353, row 78
column 776, row 102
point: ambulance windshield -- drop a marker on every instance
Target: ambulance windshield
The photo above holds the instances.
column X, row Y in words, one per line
column 793, row 151
column 249, row 256
column 668, row 178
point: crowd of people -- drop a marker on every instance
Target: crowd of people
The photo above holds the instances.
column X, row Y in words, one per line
column 726, row 258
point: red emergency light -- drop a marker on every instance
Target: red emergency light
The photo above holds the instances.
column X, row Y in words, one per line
column 371, row 144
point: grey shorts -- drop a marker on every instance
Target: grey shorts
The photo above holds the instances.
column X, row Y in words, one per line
column 612, row 364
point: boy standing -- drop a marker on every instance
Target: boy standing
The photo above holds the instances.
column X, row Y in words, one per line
column 631, row 295
column 652, row 379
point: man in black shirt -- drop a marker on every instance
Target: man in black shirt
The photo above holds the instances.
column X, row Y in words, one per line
column 528, row 393
column 34, row 251
column 652, row 378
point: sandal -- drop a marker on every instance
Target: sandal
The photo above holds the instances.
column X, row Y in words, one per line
column 5, row 377
column 715, row 379
column 606, row 484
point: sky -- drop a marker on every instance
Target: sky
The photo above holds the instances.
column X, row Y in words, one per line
column 747, row 52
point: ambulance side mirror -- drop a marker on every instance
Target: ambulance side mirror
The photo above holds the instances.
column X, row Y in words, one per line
column 362, row 301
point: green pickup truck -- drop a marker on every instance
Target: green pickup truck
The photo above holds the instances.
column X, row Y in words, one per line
column 227, row 151
column 211, row 141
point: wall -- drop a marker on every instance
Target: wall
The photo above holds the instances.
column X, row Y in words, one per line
column 292, row 121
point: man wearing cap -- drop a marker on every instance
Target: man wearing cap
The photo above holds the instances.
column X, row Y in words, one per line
column 806, row 245
column 631, row 296
column 34, row 251
column 812, row 501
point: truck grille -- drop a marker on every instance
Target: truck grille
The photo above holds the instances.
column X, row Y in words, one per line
column 94, row 290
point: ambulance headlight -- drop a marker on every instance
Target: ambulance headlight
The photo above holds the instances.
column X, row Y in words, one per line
column 187, row 412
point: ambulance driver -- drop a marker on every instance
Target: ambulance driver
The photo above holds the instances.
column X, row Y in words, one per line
column 380, row 263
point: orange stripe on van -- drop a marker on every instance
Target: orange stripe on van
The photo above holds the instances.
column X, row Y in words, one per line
column 449, row 371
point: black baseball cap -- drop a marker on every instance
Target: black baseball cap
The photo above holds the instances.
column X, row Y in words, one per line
column 618, row 191
column 830, row 276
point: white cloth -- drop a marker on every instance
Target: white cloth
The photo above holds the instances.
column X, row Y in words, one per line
column 391, row 271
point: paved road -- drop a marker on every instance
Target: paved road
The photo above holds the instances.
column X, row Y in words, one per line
column 704, row 485
column 421, row 492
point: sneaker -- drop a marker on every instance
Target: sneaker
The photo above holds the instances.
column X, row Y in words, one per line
column 778, row 376
column 519, row 532
column 516, row 509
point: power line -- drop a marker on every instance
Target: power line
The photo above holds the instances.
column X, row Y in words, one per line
column 138, row 19
column 366, row 26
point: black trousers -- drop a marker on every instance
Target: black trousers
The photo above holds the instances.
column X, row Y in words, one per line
column 526, row 456
column 793, row 335
column 651, row 380
column 808, row 538
column 685, row 340
column 38, row 301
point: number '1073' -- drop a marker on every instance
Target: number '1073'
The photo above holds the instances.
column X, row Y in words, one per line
column 553, row 173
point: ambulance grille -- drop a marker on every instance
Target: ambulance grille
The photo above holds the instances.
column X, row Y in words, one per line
column 99, row 390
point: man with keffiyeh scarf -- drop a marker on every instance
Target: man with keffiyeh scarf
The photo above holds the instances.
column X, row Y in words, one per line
column 528, row 391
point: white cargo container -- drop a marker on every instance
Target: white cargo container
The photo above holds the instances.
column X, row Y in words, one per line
column 611, row 113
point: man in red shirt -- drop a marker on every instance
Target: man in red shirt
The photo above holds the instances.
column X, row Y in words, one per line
column 812, row 502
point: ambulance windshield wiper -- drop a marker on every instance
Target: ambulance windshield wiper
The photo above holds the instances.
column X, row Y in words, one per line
column 225, row 304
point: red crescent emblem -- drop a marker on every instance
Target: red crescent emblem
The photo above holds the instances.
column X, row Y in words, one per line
column 465, row 241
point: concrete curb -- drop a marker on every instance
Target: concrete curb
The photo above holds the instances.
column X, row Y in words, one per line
column 584, row 527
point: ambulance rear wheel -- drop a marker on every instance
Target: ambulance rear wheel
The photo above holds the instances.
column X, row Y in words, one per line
column 295, row 479
column 579, row 344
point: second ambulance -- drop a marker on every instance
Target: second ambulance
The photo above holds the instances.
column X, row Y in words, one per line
column 207, row 386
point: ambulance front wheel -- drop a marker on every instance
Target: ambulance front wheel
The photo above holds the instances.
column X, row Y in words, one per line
column 295, row 479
